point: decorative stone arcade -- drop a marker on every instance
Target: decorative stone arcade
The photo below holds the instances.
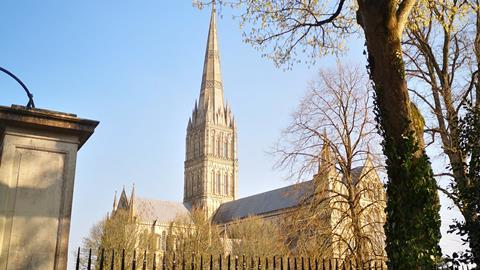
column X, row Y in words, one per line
column 38, row 151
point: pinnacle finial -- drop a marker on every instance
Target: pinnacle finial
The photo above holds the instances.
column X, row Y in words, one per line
column 133, row 192
column 114, row 202
column 324, row 159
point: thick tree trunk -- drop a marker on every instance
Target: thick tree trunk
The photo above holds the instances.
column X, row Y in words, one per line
column 413, row 221
column 477, row 54
column 386, row 66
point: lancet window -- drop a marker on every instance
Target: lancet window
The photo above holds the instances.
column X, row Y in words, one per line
column 213, row 144
column 226, row 185
column 194, row 184
column 225, row 148
column 218, row 189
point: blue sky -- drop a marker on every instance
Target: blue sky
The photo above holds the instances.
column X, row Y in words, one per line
column 136, row 67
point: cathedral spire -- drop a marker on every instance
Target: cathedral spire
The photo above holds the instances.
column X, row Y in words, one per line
column 211, row 90
column 211, row 165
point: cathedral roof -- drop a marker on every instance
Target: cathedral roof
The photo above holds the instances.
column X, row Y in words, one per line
column 262, row 203
column 268, row 202
column 158, row 210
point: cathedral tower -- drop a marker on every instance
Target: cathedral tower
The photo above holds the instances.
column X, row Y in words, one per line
column 211, row 164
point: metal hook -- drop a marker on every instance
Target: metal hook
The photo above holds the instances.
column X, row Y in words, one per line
column 30, row 103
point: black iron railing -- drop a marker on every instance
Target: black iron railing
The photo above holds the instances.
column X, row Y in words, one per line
column 159, row 261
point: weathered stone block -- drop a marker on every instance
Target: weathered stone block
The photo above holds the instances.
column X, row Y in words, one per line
column 38, row 150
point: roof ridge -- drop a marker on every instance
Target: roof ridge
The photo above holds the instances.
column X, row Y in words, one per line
column 268, row 191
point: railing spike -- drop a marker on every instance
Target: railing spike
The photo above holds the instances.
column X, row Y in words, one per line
column 164, row 261
column 134, row 261
column 144, row 265
column 89, row 264
column 102, row 259
column 192, row 265
column 77, row 266
column 112, row 264
column 154, row 261
column 174, row 262
column 122, row 266
column 183, row 261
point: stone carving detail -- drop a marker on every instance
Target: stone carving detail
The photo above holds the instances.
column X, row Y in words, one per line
column 213, row 54
column 212, row 84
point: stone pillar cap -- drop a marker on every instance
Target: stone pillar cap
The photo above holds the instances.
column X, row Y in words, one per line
column 33, row 118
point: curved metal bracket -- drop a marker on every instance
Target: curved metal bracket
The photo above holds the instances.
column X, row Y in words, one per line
column 30, row 103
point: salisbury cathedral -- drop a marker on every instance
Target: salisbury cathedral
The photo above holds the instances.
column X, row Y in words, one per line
column 211, row 166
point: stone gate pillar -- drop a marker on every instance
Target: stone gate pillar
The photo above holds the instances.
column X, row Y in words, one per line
column 38, row 151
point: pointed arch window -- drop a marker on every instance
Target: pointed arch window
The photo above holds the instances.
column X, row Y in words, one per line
column 190, row 187
column 213, row 144
column 225, row 149
column 164, row 241
column 218, row 190
column 194, row 184
column 212, row 182
column 226, row 185
column 195, row 149
column 219, row 144
column 199, row 183
column 222, row 184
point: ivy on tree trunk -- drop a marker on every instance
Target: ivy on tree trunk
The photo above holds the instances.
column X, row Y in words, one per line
column 413, row 220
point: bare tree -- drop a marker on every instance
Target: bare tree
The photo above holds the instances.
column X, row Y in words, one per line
column 288, row 29
column 441, row 47
column 254, row 236
column 118, row 233
column 342, row 211
column 193, row 235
